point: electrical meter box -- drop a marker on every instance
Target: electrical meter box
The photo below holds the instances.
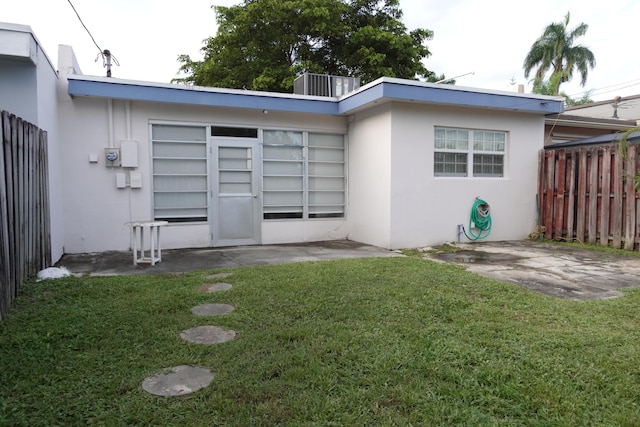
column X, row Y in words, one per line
column 112, row 157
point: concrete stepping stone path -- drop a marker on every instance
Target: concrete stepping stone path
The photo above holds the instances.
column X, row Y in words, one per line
column 215, row 287
column 208, row 335
column 178, row 381
column 182, row 380
column 211, row 309
column 219, row 275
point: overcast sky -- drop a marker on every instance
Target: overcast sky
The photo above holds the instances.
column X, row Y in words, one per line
column 489, row 38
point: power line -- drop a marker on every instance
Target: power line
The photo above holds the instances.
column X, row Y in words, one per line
column 105, row 54
column 85, row 27
column 600, row 90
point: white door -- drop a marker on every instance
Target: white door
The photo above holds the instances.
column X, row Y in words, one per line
column 236, row 213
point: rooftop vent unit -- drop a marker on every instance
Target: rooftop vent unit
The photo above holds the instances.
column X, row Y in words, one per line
column 324, row 85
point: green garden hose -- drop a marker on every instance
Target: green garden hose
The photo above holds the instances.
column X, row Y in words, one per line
column 480, row 220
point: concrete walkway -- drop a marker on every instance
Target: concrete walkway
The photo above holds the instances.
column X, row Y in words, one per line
column 553, row 269
column 185, row 260
column 556, row 270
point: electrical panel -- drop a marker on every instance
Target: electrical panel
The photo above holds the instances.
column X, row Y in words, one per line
column 135, row 179
column 129, row 153
column 121, row 180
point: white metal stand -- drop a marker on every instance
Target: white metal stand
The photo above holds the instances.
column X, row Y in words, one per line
column 137, row 234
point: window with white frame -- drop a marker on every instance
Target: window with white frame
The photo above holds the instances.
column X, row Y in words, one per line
column 180, row 183
column 469, row 153
column 303, row 175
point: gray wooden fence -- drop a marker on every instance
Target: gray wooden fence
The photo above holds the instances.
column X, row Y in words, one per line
column 25, row 238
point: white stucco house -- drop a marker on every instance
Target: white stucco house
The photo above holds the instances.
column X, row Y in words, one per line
column 396, row 164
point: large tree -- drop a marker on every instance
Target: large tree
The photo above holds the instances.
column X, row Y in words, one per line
column 556, row 52
column 264, row 44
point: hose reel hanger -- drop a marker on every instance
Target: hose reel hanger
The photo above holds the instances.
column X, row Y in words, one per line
column 479, row 220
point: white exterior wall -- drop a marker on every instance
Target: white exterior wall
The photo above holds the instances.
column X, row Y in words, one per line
column 97, row 213
column 28, row 83
column 47, row 111
column 369, row 211
column 426, row 209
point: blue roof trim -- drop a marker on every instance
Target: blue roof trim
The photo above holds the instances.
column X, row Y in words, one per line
column 381, row 90
column 394, row 89
column 360, row 98
column 184, row 95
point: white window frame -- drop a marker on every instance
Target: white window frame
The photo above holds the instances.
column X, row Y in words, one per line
column 156, row 177
column 451, row 142
column 307, row 209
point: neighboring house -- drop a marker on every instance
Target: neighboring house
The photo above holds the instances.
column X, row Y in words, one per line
column 622, row 108
column 565, row 127
column 396, row 164
column 590, row 120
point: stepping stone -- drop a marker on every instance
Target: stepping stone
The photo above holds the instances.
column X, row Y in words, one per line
column 179, row 381
column 211, row 309
column 208, row 335
column 215, row 287
column 219, row 275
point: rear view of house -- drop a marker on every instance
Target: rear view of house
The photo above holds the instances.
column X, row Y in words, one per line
column 395, row 163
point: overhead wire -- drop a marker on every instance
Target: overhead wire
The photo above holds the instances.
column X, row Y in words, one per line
column 85, row 27
column 104, row 54
column 600, row 91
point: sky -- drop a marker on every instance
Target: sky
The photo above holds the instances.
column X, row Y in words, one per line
column 483, row 43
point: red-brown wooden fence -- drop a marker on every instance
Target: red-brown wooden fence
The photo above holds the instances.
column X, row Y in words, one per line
column 25, row 239
column 587, row 194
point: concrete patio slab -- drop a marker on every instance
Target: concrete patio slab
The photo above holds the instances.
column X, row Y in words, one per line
column 552, row 269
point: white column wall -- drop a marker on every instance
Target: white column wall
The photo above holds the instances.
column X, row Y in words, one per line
column 96, row 212
column 48, row 120
column 426, row 209
column 369, row 212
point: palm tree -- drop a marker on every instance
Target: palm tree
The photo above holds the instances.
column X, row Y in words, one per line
column 555, row 51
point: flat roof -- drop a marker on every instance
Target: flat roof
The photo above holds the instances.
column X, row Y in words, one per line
column 379, row 91
column 597, row 140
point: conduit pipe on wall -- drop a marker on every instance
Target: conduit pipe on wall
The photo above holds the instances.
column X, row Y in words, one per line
column 110, row 124
column 127, row 109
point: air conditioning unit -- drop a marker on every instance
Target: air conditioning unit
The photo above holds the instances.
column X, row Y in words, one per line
column 325, row 85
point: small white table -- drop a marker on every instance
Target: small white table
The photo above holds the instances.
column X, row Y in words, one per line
column 137, row 234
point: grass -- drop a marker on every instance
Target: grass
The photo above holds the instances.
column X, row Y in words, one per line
column 390, row 341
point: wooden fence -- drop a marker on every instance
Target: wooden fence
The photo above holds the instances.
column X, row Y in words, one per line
column 25, row 239
column 587, row 194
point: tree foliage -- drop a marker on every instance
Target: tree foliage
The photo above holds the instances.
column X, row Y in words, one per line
column 264, row 44
column 550, row 87
column 555, row 51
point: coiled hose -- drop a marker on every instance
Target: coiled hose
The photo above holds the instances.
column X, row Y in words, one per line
column 480, row 219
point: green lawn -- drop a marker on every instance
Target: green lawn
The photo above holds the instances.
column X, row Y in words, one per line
column 387, row 341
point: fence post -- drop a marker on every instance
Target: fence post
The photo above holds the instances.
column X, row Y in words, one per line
column 605, row 199
column 630, row 200
column 618, row 202
column 549, row 199
column 593, row 197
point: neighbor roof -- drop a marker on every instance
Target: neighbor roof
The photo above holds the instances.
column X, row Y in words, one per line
column 382, row 90
column 596, row 140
